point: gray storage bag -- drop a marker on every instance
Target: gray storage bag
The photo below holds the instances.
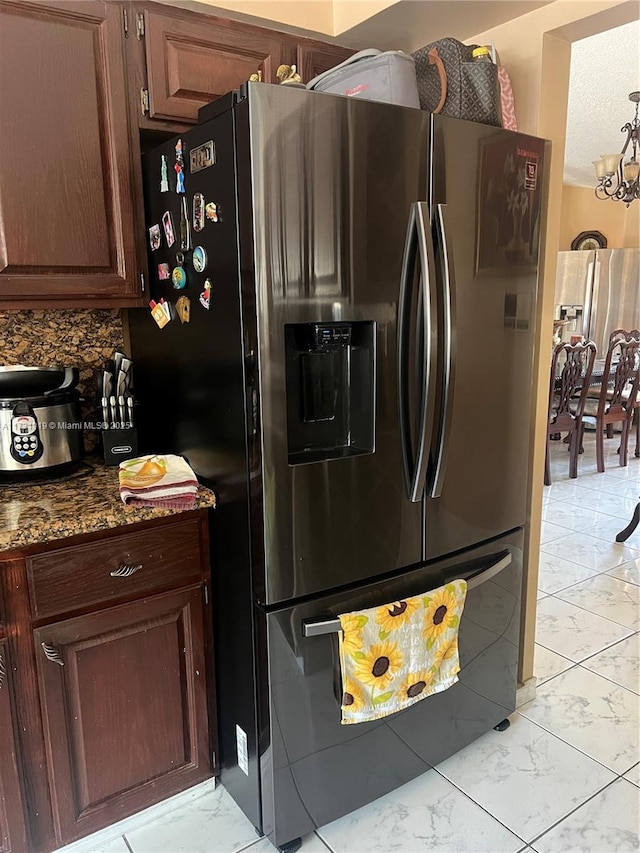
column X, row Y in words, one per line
column 374, row 76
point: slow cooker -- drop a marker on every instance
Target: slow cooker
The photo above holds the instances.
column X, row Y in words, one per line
column 40, row 422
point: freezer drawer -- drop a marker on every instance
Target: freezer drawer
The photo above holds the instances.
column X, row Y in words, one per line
column 313, row 769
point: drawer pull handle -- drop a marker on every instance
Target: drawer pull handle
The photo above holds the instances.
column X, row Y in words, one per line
column 52, row 654
column 125, row 570
column 3, row 671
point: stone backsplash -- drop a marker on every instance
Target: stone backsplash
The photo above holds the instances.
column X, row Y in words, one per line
column 72, row 338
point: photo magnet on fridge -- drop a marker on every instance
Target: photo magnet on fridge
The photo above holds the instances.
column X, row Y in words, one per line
column 167, row 224
column 164, row 272
column 155, row 237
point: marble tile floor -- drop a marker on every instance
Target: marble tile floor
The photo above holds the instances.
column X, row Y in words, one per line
column 564, row 777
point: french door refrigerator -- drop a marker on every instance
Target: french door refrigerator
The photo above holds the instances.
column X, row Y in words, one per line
column 597, row 292
column 358, row 394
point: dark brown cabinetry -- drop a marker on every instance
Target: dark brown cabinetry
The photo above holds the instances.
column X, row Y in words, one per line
column 12, row 828
column 181, row 60
column 123, row 694
column 66, row 198
column 314, row 57
column 192, row 59
column 110, row 637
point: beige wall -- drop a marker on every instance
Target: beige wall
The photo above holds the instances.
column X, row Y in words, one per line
column 329, row 17
column 582, row 211
column 536, row 48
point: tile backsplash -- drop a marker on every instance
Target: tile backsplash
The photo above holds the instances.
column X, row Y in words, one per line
column 72, row 338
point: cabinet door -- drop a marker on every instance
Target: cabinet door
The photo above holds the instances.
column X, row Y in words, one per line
column 12, row 828
column 314, row 57
column 123, row 694
column 66, row 204
column 192, row 59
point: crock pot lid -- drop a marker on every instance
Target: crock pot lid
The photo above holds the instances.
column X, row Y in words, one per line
column 19, row 380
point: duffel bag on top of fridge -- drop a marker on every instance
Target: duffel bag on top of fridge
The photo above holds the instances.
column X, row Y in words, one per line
column 373, row 75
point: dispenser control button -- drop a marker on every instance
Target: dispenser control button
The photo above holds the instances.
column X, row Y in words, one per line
column 30, row 452
column 22, row 452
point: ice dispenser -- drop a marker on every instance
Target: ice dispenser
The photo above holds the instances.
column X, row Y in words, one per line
column 330, row 374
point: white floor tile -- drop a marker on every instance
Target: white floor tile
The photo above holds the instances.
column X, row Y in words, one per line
column 540, row 595
column 619, row 663
column 555, row 573
column 607, row 503
column 607, row 527
column 608, row 822
column 629, row 488
column 92, row 844
column 212, row 823
column 564, row 490
column 590, row 713
column 589, row 551
column 633, row 775
column 609, row 597
column 527, row 778
column 574, row 633
column 629, row 572
column 550, row 531
column 428, row 813
column 546, row 664
column 571, row 515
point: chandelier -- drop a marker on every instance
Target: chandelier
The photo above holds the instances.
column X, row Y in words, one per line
column 618, row 180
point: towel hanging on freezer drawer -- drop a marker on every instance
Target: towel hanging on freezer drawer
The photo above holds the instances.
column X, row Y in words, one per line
column 397, row 654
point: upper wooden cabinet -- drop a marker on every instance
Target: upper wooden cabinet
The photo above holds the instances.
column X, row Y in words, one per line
column 181, row 60
column 314, row 57
column 66, row 197
column 192, row 59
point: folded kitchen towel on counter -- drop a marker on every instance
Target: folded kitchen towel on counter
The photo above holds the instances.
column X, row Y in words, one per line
column 397, row 654
column 160, row 481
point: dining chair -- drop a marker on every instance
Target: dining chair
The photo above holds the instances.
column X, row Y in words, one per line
column 617, row 396
column 622, row 333
column 571, row 367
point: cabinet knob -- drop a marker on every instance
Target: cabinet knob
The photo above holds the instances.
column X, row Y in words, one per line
column 125, row 570
column 52, row 654
column 3, row 671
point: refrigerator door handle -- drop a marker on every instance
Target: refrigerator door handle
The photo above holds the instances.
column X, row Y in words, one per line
column 418, row 242
column 318, row 627
column 448, row 354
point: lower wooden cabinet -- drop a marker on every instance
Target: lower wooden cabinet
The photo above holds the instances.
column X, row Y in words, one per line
column 111, row 682
column 124, row 702
column 12, row 826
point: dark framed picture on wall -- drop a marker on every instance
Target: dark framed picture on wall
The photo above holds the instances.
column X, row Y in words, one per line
column 509, row 204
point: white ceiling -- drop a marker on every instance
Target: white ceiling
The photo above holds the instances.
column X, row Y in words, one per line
column 604, row 69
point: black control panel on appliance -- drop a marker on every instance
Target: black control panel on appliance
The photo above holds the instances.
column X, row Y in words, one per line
column 331, row 337
column 26, row 446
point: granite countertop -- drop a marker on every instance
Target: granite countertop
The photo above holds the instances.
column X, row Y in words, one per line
column 32, row 514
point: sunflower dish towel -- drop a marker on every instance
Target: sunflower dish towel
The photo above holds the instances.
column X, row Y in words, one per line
column 394, row 655
column 160, row 481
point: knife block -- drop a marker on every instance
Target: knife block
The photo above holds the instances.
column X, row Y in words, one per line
column 119, row 444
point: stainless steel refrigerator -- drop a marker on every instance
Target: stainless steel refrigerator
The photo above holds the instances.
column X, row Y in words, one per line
column 358, row 394
column 598, row 292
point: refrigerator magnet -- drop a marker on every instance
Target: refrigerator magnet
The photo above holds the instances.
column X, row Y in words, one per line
column 183, row 307
column 212, row 211
column 155, row 237
column 167, row 224
column 178, row 278
column 159, row 314
column 164, row 177
column 205, row 296
column 202, row 157
column 199, row 259
column 198, row 212
column 185, row 227
column 179, row 167
column 164, row 273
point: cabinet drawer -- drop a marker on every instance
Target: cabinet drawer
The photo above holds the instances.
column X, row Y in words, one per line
column 108, row 569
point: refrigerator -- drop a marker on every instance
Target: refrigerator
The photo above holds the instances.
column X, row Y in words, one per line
column 598, row 292
column 358, row 394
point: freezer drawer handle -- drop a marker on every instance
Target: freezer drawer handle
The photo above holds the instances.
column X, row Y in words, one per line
column 315, row 628
column 487, row 574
